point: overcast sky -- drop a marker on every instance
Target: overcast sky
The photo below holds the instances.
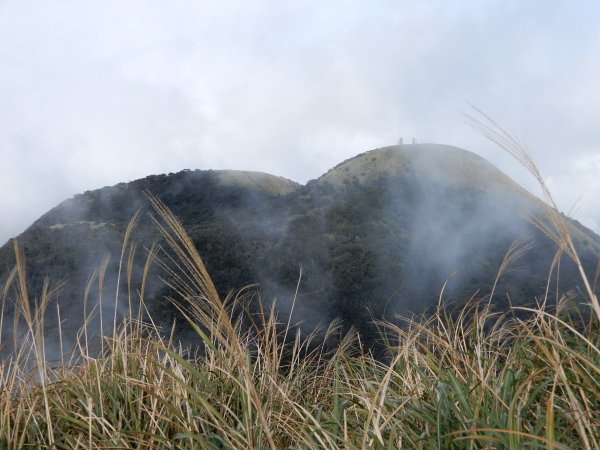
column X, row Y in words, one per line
column 93, row 93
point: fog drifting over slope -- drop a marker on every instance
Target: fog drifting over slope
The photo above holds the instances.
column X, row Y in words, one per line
column 98, row 93
column 391, row 231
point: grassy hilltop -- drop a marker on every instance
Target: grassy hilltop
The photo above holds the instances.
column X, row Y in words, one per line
column 379, row 235
column 506, row 356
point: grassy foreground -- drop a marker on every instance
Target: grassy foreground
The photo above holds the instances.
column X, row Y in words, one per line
column 468, row 380
column 472, row 379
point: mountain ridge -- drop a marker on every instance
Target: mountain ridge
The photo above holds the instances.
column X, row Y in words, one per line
column 380, row 233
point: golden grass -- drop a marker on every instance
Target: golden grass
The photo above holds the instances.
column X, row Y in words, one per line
column 470, row 379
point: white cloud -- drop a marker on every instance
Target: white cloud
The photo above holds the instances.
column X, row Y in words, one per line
column 94, row 93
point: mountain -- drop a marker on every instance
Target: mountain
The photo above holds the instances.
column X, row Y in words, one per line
column 380, row 234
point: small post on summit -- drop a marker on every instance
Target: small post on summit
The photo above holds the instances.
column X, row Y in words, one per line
column 401, row 141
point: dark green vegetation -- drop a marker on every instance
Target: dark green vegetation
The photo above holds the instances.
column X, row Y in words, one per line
column 472, row 380
column 378, row 235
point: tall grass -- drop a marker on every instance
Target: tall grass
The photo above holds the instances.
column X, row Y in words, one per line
column 472, row 378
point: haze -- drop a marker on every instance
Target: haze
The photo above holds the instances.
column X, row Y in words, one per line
column 95, row 93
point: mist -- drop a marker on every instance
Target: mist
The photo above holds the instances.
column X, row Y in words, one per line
column 391, row 232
